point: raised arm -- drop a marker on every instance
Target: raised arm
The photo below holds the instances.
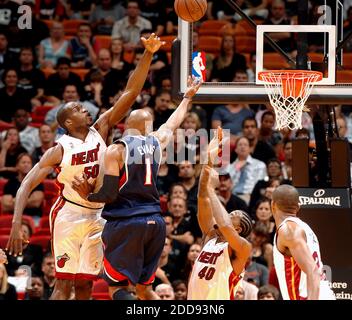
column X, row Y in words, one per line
column 133, row 87
column 108, row 192
column 166, row 131
column 240, row 245
column 293, row 237
column 50, row 159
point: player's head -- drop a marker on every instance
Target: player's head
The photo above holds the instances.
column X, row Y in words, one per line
column 140, row 121
column 73, row 116
column 285, row 200
column 242, row 222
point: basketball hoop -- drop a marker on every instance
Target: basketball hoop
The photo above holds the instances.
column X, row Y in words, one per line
column 288, row 91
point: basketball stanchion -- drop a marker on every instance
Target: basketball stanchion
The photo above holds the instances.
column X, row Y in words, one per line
column 288, row 91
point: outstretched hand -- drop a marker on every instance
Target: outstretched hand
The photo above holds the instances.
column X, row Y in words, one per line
column 193, row 85
column 215, row 148
column 153, row 43
column 212, row 177
column 82, row 186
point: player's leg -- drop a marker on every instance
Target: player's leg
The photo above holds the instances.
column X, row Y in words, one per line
column 90, row 255
column 65, row 248
column 123, row 262
column 154, row 240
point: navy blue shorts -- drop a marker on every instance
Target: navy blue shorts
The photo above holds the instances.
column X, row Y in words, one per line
column 132, row 248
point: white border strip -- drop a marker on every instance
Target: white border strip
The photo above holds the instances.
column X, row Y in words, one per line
column 330, row 29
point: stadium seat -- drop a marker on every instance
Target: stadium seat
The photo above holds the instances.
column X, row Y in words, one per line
column 6, row 221
column 316, row 56
column 102, row 41
column 49, row 23
column 38, row 114
column 21, row 295
column 48, row 72
column 5, row 231
column 128, row 56
column 71, row 26
column 3, row 241
column 214, row 28
column 243, row 28
column 100, row 290
column 5, row 125
column 210, row 44
column 274, row 61
column 344, row 76
column 168, row 42
column 245, row 44
column 42, row 232
column 41, row 240
column 2, row 185
column 44, row 223
column 80, row 72
column 347, row 60
column 163, row 204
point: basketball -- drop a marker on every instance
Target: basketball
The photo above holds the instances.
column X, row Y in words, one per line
column 190, row 10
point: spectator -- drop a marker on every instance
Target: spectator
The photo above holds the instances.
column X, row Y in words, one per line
column 113, row 80
column 192, row 255
column 11, row 148
column 178, row 190
column 187, row 177
column 7, row 290
column 118, row 60
column 259, row 149
column 79, row 9
column 165, row 291
column 70, row 94
column 231, row 115
column 228, row 61
column 36, row 290
column 32, row 254
column 245, row 171
column 274, row 172
column 278, row 17
column 155, row 12
column 104, row 16
column 49, row 9
column 262, row 250
column 93, row 89
column 166, row 177
column 82, row 47
column 229, row 200
column 287, row 163
column 54, row 47
column 162, row 112
column 264, row 215
column 3, row 258
column 57, row 81
column 7, row 58
column 35, row 200
column 29, row 136
column 129, row 28
column 268, row 292
column 9, row 13
column 12, row 97
column 29, row 78
column 180, row 289
column 256, row 273
column 250, row 290
column 46, row 137
column 48, row 269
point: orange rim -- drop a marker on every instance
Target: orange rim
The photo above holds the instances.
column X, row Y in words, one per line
column 288, row 74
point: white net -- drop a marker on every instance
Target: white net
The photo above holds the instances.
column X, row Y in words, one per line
column 288, row 91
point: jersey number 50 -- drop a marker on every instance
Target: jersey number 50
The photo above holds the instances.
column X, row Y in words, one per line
column 92, row 171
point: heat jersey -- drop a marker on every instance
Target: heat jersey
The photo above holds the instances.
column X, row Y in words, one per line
column 292, row 280
column 81, row 157
column 137, row 194
column 212, row 276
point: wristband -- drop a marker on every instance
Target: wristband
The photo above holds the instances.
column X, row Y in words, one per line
column 185, row 97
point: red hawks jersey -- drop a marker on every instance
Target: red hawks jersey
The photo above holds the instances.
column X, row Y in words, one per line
column 81, row 157
column 212, row 276
column 292, row 280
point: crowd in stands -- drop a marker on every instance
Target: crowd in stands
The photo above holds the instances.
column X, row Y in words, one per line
column 82, row 50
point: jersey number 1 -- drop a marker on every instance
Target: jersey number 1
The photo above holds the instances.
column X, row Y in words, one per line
column 148, row 172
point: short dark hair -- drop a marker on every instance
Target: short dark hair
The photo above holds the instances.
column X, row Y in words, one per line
column 21, row 155
column 6, row 72
column 268, row 288
column 63, row 61
column 267, row 113
column 250, row 118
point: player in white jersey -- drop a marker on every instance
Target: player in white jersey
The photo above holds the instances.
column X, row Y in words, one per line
column 219, row 268
column 297, row 259
column 76, row 224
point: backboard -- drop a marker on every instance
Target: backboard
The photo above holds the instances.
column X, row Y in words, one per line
column 324, row 32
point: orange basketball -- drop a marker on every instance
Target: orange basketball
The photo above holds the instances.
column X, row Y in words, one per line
column 190, row 10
